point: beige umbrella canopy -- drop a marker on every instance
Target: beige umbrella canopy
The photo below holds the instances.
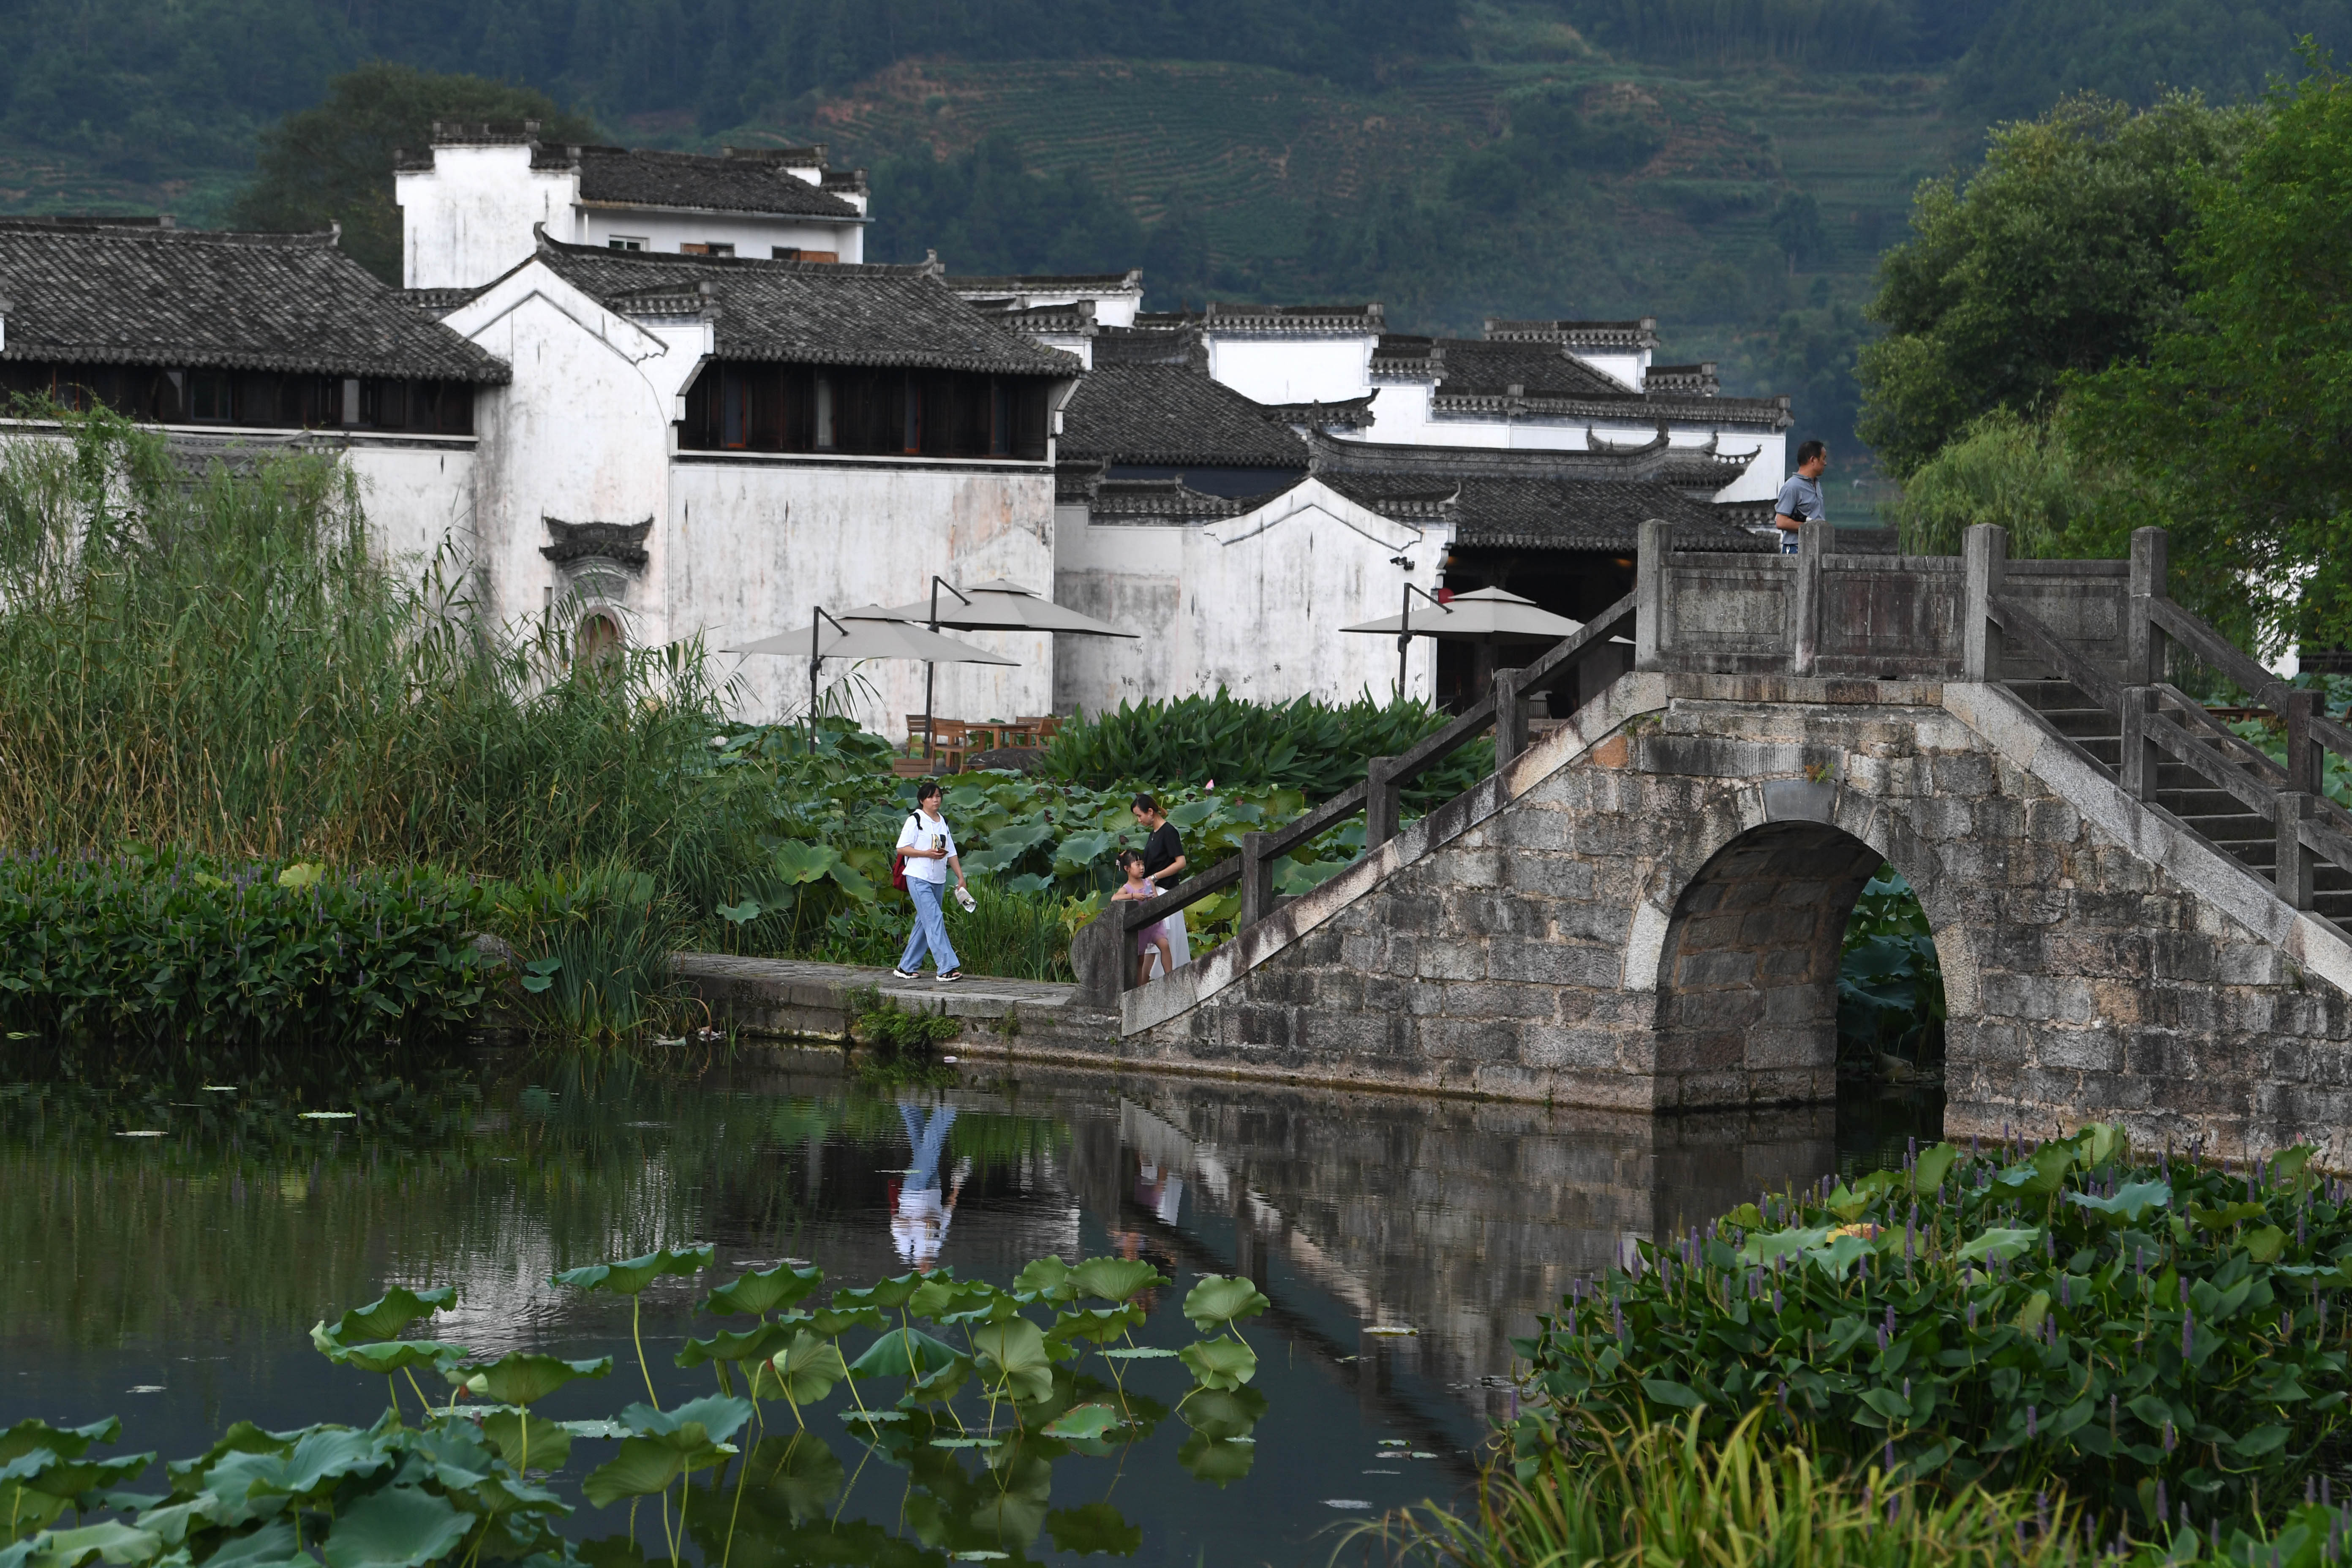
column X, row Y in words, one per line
column 869, row 632
column 1484, row 614
column 1000, row 606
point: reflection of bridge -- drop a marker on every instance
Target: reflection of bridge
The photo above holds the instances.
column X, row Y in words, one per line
column 2135, row 910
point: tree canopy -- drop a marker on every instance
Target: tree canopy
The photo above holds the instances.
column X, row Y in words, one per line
column 2241, row 410
column 333, row 162
column 2056, row 256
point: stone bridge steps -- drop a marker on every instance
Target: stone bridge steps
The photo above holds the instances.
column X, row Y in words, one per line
column 2215, row 814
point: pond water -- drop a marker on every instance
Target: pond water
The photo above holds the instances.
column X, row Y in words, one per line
column 171, row 1280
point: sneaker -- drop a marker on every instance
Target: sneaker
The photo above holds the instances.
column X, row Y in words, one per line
column 906, row 974
column 952, row 976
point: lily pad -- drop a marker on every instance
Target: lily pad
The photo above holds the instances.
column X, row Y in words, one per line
column 631, row 1275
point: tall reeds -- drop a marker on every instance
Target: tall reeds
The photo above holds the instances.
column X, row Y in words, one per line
column 217, row 659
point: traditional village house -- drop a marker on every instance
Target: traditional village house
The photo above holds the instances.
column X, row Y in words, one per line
column 709, row 446
column 250, row 342
column 471, row 203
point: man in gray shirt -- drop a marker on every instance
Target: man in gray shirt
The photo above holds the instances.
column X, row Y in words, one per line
column 1800, row 498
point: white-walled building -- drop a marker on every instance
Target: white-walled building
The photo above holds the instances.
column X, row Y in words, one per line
column 1564, row 386
column 252, row 342
column 701, row 445
column 471, row 203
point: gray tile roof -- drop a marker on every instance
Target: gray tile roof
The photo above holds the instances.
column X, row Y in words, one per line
column 1525, row 499
column 745, row 183
column 1475, row 367
column 809, row 312
column 1174, row 416
column 174, row 297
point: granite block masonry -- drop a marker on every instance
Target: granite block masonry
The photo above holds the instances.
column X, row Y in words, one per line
column 1643, row 911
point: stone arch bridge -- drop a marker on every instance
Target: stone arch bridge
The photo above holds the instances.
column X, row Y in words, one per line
column 1643, row 907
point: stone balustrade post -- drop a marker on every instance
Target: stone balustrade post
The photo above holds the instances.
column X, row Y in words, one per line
column 1813, row 541
column 1652, row 633
column 1984, row 561
column 1257, row 879
column 1383, row 801
column 1510, row 717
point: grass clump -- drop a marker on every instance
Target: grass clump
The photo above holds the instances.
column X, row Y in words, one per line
column 2162, row 1339
column 592, row 951
column 1662, row 1494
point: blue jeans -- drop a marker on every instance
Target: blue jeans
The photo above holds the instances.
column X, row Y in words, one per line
column 927, row 1137
column 930, row 930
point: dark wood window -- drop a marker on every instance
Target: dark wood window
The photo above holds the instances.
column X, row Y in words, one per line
column 875, row 412
column 252, row 398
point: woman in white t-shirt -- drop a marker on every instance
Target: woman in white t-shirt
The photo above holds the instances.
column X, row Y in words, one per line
column 928, row 848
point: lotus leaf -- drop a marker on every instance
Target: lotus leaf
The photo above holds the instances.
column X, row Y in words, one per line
column 1216, row 1461
column 520, row 1377
column 110, row 1542
column 1223, row 1412
column 393, row 1355
column 1220, row 1363
column 241, row 1438
column 1095, row 1527
column 398, row 1527
column 629, row 1276
column 1138, row 1352
column 1084, row 1422
column 1044, row 1278
column 644, row 1467
column 43, row 1471
column 1790, row 1245
column 2040, row 1176
column 831, row 1322
column 271, row 1544
column 888, row 1296
column 2264, row 1246
column 905, row 1353
column 1219, row 1302
column 802, row 1371
column 1113, row 1279
column 715, row 1417
column 1094, row 1325
column 523, row 1439
column 800, row 1473
column 763, row 1291
column 384, row 1317
column 750, row 1344
column 943, row 1293
column 2222, row 1216
column 1013, row 1356
column 65, row 1442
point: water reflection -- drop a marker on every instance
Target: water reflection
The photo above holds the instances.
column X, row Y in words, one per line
column 1403, row 1242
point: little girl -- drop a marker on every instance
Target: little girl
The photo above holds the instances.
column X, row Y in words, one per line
column 1153, row 936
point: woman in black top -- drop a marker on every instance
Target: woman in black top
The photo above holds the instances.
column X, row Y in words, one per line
column 1163, row 862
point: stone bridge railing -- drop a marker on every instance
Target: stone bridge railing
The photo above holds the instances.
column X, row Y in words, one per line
column 2106, row 629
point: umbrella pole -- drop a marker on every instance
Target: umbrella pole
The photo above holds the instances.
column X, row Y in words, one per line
column 814, row 625
column 1405, row 641
column 931, row 672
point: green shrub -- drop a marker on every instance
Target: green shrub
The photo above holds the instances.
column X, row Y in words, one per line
column 177, row 950
column 2155, row 1337
column 1018, row 935
column 1304, row 745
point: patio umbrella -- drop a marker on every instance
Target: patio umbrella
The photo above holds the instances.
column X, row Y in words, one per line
column 995, row 606
column 1484, row 616
column 869, row 632
column 1000, row 606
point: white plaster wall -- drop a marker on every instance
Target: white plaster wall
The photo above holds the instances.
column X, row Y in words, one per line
column 1629, row 366
column 418, row 495
column 1265, row 595
column 1130, row 575
column 754, row 542
column 468, row 218
column 751, row 236
column 1253, row 604
column 582, row 434
column 1764, row 476
column 1293, row 369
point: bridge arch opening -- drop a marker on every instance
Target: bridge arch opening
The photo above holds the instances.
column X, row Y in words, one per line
column 1749, row 977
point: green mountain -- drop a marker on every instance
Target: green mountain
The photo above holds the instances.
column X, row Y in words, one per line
column 1734, row 167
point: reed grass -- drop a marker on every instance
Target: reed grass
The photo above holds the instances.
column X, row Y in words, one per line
column 219, row 661
column 1661, row 1495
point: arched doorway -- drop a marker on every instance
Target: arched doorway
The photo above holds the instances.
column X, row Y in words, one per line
column 1748, row 978
column 599, row 638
